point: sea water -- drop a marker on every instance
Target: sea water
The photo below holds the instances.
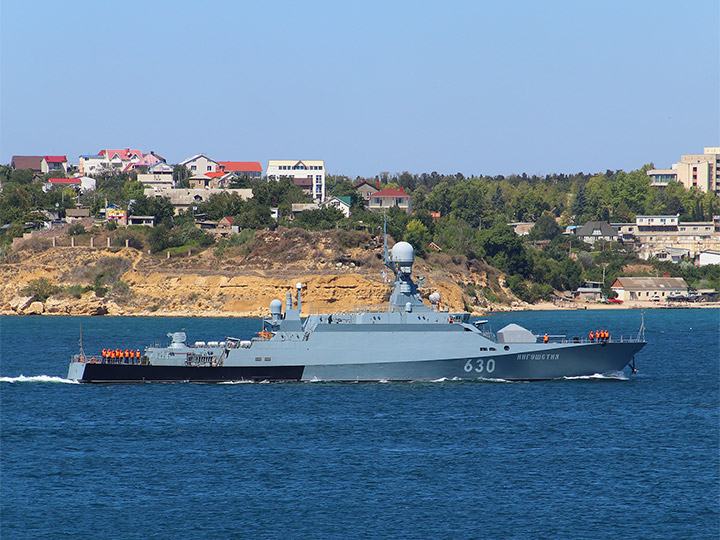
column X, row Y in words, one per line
column 634, row 457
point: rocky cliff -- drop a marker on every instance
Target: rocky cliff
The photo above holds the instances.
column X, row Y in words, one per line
column 224, row 281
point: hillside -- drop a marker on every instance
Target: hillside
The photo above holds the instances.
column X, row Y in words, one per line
column 341, row 270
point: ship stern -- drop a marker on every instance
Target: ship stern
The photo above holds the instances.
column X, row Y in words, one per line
column 76, row 370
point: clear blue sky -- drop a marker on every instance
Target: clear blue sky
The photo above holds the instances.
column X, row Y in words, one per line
column 478, row 87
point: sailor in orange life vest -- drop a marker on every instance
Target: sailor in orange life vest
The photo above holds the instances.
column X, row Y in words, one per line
column 546, row 339
column 592, row 336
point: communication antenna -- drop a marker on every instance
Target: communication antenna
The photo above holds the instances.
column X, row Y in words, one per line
column 641, row 331
column 386, row 256
column 80, row 343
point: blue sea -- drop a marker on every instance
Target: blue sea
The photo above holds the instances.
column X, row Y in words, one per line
column 592, row 458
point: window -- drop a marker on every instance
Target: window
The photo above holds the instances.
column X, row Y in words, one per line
column 209, row 167
column 193, row 168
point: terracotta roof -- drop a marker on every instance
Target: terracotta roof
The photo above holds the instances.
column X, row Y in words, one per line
column 55, row 159
column 216, row 174
column 390, row 192
column 241, row 166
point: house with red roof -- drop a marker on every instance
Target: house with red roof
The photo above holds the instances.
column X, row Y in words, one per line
column 389, row 197
column 83, row 183
column 242, row 169
column 56, row 163
column 121, row 160
column 40, row 164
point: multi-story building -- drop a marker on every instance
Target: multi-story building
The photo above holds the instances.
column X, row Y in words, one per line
column 201, row 164
column 666, row 237
column 122, row 160
column 308, row 174
column 701, row 171
column 158, row 175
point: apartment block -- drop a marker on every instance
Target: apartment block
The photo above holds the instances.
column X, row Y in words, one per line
column 701, row 171
column 308, row 174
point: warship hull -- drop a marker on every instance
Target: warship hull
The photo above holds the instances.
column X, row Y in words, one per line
column 405, row 340
column 545, row 363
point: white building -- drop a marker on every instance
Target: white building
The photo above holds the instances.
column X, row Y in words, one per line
column 159, row 175
column 308, row 174
column 701, row 171
column 708, row 256
column 342, row 203
column 201, row 164
column 105, row 159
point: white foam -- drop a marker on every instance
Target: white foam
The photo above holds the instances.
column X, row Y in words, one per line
column 618, row 376
column 38, row 378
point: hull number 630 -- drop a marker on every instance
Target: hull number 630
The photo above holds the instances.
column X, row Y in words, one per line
column 478, row 365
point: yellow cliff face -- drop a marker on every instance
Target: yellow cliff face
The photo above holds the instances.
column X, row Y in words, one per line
column 150, row 287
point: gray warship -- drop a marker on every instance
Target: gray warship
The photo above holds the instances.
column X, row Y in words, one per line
column 405, row 340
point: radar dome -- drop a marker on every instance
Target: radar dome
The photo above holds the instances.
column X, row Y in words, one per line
column 402, row 252
column 275, row 307
column 435, row 298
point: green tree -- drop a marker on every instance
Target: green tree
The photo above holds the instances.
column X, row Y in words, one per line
column 418, row 235
column 319, row 219
column 181, row 176
column 454, row 234
column 571, row 274
column 504, row 249
column 159, row 207
column 161, row 237
column 397, row 220
column 545, row 228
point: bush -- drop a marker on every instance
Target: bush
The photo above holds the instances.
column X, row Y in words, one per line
column 133, row 240
column 76, row 229
column 40, row 289
column 76, row 290
column 121, row 289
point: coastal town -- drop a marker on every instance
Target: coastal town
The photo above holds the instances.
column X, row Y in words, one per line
column 213, row 198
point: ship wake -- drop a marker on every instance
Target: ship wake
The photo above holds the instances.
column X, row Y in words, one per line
column 613, row 376
column 37, row 379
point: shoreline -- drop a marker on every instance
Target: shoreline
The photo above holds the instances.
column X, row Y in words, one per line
column 256, row 314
